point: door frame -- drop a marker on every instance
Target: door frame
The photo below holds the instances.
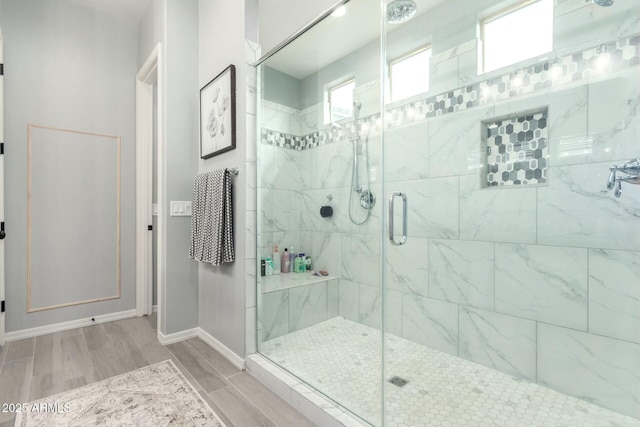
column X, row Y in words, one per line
column 150, row 73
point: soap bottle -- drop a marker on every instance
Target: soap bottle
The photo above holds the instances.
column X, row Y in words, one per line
column 285, row 264
column 263, row 266
column 268, row 267
column 299, row 264
column 276, row 260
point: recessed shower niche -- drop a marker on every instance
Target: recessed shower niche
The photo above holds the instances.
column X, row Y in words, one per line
column 516, row 149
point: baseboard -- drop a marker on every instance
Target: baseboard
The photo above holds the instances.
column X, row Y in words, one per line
column 235, row 360
column 178, row 336
column 65, row 326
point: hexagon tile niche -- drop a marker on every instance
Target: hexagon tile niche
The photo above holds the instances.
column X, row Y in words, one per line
column 516, row 149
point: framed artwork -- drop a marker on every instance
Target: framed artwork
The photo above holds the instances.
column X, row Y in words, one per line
column 218, row 114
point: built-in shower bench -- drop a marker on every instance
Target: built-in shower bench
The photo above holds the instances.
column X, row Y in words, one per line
column 282, row 281
column 293, row 301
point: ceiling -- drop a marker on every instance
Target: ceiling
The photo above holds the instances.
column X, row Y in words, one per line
column 359, row 26
column 345, row 34
column 129, row 11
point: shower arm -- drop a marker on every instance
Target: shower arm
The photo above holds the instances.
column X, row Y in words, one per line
column 631, row 169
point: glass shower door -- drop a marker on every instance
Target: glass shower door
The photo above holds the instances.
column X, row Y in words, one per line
column 512, row 269
column 319, row 193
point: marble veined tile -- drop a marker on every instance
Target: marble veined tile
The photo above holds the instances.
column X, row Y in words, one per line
column 590, row 25
column 405, row 152
column 333, row 298
column 307, row 305
column 323, row 249
column 461, row 272
column 407, row 267
column 432, row 207
column 393, row 312
column 542, row 283
column 274, row 314
column 265, row 166
column 569, row 142
column 601, row 370
column 370, row 306
column 349, row 300
column 614, row 117
column 576, row 210
column 276, row 117
column 361, row 258
column 496, row 214
column 328, row 166
column 614, row 294
column 455, row 143
column 430, row 322
column 275, row 208
column 289, row 173
column 498, row 341
column 443, row 75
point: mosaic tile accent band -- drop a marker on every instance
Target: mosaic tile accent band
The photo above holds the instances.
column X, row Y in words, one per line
column 517, row 150
column 589, row 63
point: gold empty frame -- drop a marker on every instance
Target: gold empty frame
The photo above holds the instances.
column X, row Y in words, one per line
column 73, row 186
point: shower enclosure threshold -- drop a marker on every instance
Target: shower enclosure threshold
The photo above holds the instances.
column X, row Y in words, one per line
column 335, row 357
column 305, row 399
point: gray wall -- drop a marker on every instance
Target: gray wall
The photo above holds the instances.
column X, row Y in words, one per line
column 175, row 24
column 150, row 30
column 70, row 67
column 281, row 88
column 180, row 299
column 222, row 294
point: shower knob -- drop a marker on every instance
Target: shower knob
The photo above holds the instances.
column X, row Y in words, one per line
column 326, row 211
column 367, row 199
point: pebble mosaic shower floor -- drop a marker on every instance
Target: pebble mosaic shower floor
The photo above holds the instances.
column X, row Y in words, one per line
column 341, row 358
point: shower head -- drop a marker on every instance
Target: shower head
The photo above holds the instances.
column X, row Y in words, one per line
column 399, row 11
column 603, row 3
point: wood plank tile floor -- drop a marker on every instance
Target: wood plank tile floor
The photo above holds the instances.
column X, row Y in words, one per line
column 34, row 368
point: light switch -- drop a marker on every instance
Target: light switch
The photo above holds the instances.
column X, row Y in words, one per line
column 180, row 208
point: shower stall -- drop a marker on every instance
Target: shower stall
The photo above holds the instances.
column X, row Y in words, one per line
column 465, row 175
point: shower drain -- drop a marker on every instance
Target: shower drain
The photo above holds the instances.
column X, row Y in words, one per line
column 398, row 381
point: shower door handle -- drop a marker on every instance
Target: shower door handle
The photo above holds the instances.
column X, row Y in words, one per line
column 392, row 198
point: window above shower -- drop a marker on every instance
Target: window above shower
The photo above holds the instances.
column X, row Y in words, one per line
column 521, row 31
column 409, row 74
column 339, row 101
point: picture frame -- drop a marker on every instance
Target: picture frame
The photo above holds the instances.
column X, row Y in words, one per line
column 218, row 114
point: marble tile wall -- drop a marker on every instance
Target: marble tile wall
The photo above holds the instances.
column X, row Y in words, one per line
column 289, row 310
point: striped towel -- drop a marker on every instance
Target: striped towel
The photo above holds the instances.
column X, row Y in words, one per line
column 212, row 218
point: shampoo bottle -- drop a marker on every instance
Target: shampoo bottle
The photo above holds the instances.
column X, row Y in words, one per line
column 276, row 260
column 285, row 262
column 268, row 267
